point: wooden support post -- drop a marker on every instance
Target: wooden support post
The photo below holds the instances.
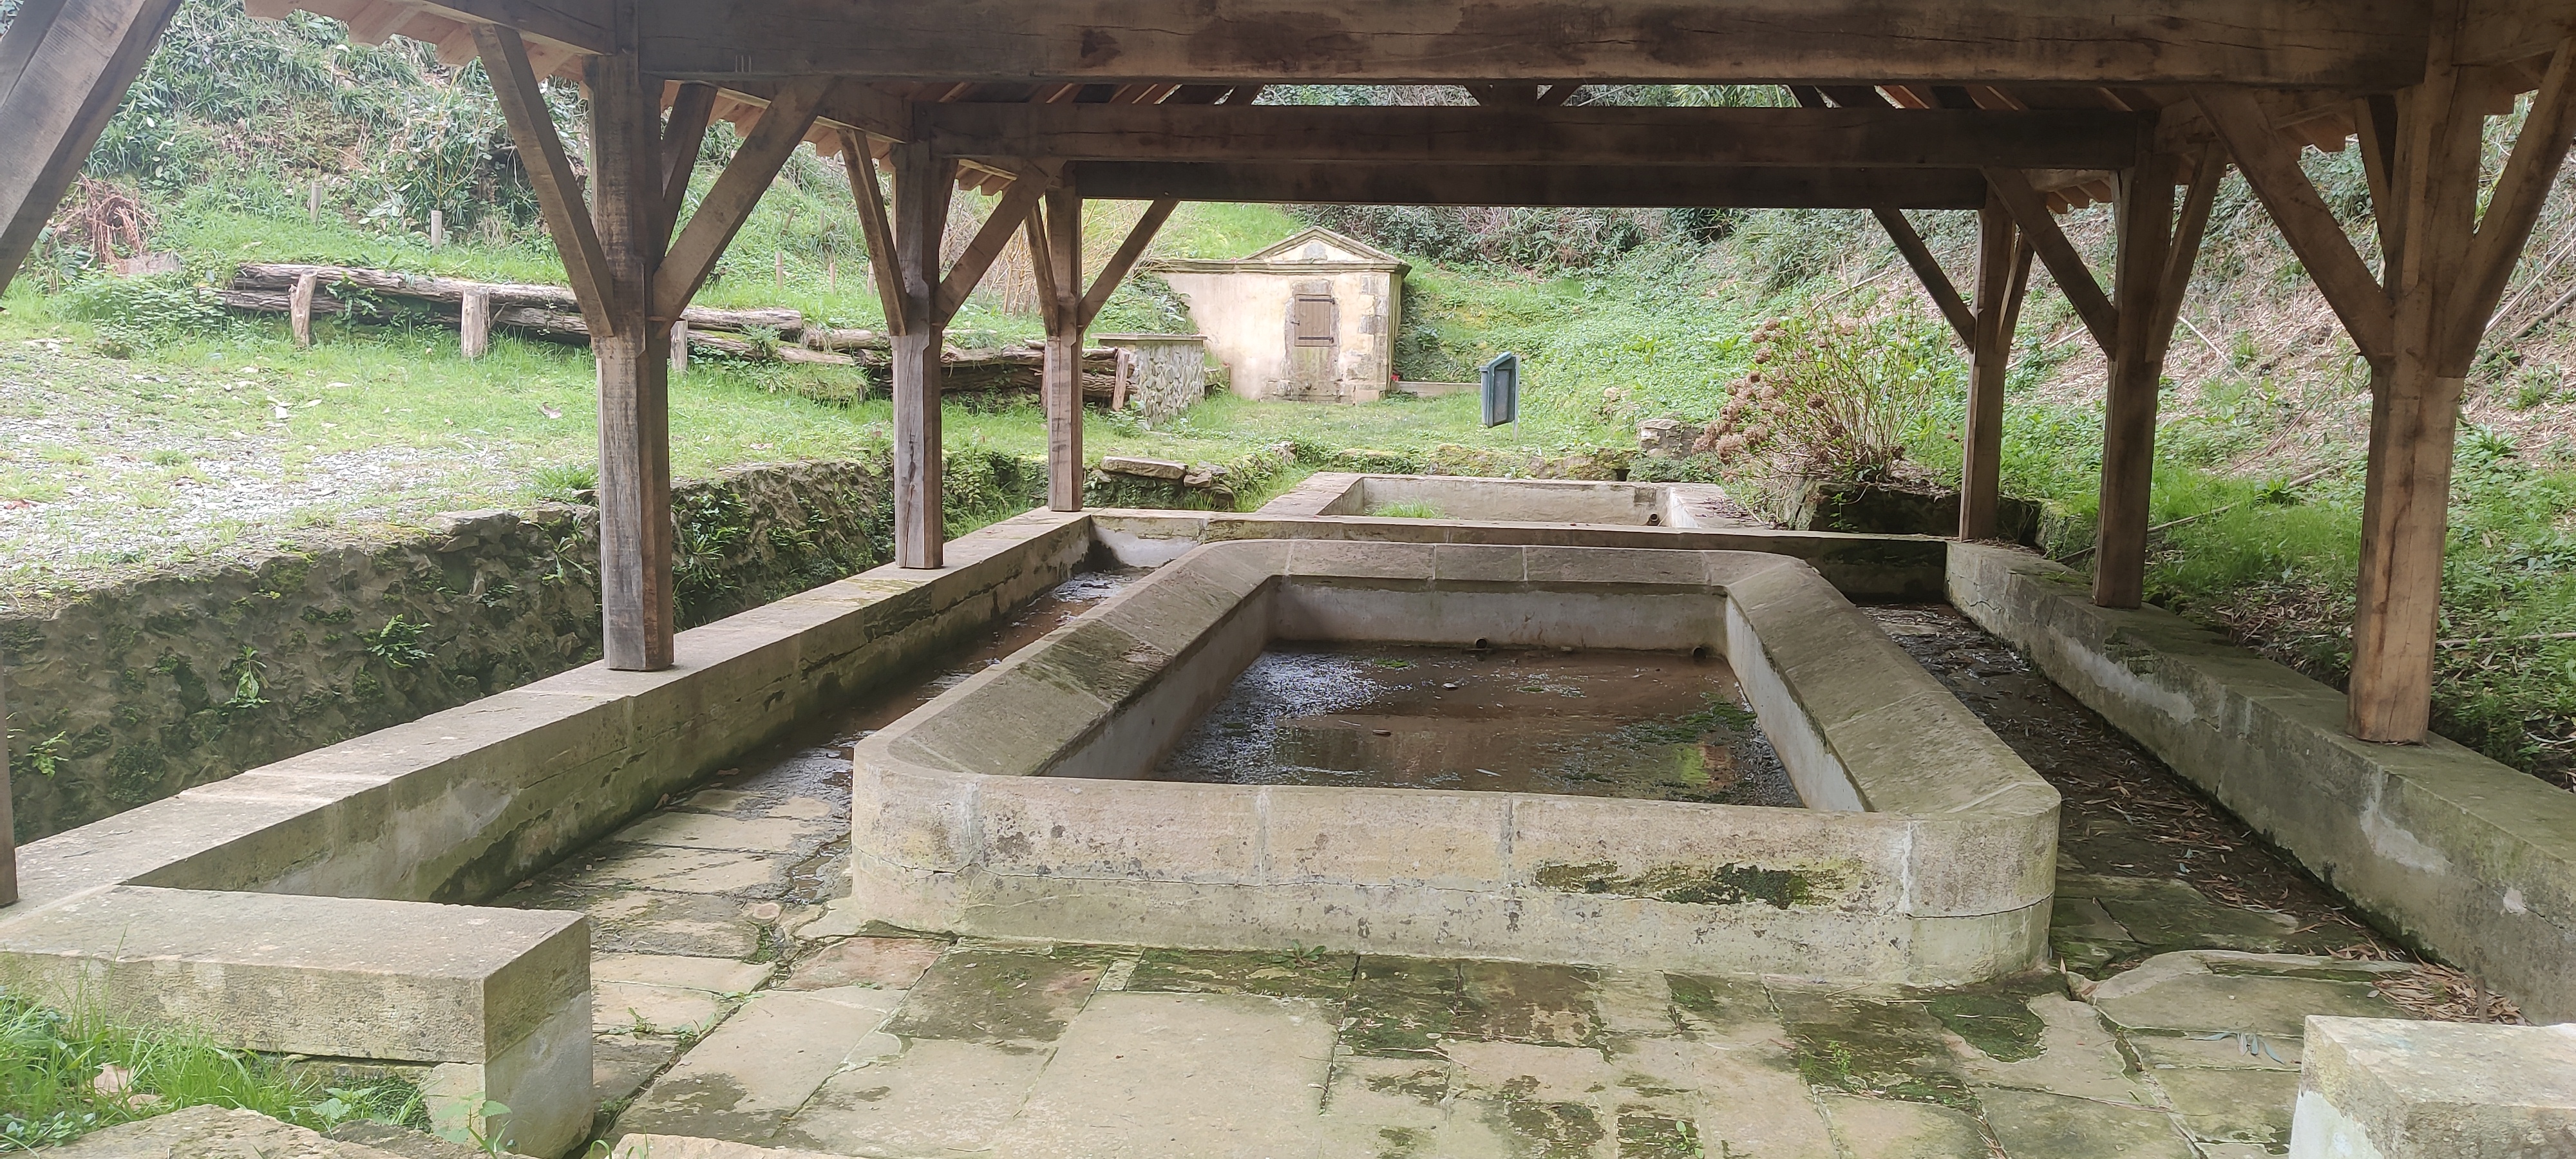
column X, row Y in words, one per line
column 634, row 365
column 2003, row 273
column 474, row 324
column 2445, row 283
column 679, row 346
column 313, row 203
column 437, row 229
column 299, row 310
column 1060, row 292
column 922, row 185
column 64, row 69
column 2144, row 224
column 8, row 822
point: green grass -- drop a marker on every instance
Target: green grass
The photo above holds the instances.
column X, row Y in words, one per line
column 62, row 1076
column 1408, row 511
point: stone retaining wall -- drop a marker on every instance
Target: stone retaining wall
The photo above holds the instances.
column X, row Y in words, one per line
column 124, row 695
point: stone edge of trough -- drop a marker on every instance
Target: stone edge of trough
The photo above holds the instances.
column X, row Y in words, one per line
column 2455, row 854
column 946, row 853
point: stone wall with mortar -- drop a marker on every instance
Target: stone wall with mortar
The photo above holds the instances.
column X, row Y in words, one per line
column 127, row 694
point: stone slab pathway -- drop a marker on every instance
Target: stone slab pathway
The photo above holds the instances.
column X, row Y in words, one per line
column 741, row 1002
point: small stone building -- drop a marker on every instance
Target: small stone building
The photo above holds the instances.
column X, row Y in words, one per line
column 1311, row 319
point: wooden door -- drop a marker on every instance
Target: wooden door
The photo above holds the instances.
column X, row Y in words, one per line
column 1314, row 346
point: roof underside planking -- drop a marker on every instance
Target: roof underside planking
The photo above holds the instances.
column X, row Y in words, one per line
column 1924, row 93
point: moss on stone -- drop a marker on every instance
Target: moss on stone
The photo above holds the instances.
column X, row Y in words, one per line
column 1728, row 884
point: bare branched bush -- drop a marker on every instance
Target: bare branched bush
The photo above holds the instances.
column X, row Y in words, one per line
column 1830, row 398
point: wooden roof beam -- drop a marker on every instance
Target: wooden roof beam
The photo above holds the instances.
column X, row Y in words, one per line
column 1585, row 186
column 2361, row 43
column 1590, row 134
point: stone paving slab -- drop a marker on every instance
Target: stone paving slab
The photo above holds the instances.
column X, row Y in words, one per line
column 209, row 1132
column 762, row 1064
column 1181, row 1076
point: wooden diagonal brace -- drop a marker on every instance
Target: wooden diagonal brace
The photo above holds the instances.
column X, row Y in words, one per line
column 877, row 229
column 559, row 198
column 2271, row 166
column 719, row 217
column 1017, row 203
column 2513, row 210
column 1928, row 268
column 2074, row 278
column 1125, row 259
column 2210, row 168
column 681, row 140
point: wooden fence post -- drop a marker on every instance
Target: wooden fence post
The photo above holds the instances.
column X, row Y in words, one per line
column 474, row 324
column 299, row 310
column 437, row 229
column 680, row 346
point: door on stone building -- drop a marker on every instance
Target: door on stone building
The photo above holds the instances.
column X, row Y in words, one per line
column 1314, row 348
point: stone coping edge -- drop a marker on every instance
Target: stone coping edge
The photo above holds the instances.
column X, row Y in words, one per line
column 2456, row 854
column 1883, row 567
column 948, row 819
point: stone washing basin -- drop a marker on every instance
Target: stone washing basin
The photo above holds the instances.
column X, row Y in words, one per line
column 1012, row 806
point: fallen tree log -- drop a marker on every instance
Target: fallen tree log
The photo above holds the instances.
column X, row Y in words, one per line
column 335, row 280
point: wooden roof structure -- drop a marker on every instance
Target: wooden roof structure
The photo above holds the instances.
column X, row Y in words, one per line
column 2013, row 109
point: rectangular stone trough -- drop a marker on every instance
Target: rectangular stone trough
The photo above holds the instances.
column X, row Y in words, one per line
column 1458, row 497
column 1012, row 804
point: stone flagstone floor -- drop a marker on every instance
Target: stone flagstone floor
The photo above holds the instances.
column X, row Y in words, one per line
column 739, row 999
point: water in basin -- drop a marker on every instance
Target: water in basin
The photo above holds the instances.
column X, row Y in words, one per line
column 1663, row 726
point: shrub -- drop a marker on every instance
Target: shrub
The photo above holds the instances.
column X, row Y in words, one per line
column 1833, row 398
column 140, row 310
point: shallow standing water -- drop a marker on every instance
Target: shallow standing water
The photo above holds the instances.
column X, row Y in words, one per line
column 1661, row 726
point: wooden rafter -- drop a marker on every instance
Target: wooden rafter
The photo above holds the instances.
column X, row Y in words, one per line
column 2271, row 166
column 2067, row 267
column 720, row 215
column 559, row 197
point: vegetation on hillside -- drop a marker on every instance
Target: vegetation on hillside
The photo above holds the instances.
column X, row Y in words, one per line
column 1620, row 316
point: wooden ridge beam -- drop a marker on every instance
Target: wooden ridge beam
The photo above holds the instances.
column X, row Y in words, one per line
column 1580, row 186
column 2074, row 278
column 1580, row 135
column 2360, row 44
column 2271, row 166
column 559, row 192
